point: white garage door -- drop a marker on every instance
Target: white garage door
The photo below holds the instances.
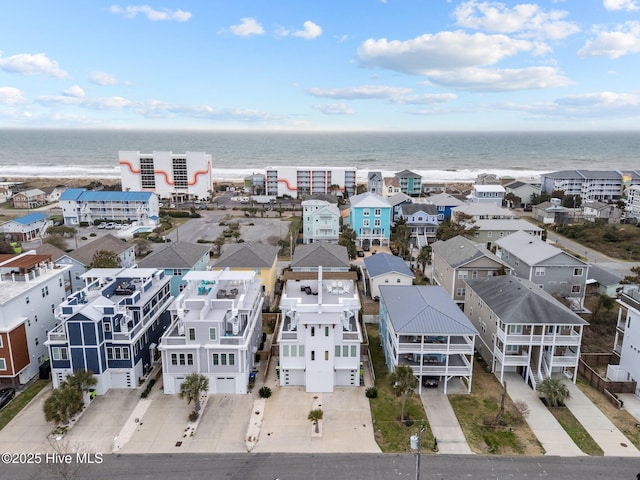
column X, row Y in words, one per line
column 225, row 385
column 121, row 379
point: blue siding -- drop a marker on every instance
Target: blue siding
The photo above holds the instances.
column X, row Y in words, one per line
column 60, row 363
column 93, row 362
column 89, row 333
column 103, row 357
column 75, row 333
column 77, row 359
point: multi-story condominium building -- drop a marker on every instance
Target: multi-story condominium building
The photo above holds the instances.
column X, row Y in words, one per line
column 320, row 336
column 488, row 231
column 85, row 206
column 459, row 259
column 31, row 287
column 111, row 327
column 487, row 194
column 627, row 340
column 554, row 270
column 81, row 258
column 177, row 259
column 27, row 228
column 481, row 211
column 320, row 222
column 633, row 202
column 175, row 176
column 523, row 329
column 386, row 269
column 32, row 198
column 252, row 257
column 375, row 183
column 370, row 218
column 422, row 222
column 300, row 182
column 216, row 331
column 422, row 327
column 444, row 203
column 602, row 185
column 410, row 183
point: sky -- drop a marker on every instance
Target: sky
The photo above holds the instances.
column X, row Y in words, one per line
column 328, row 65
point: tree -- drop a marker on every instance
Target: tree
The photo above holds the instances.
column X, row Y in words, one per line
column 634, row 278
column 572, row 201
column 464, row 225
column 511, row 200
column 314, row 417
column 348, row 239
column 424, row 257
column 105, row 259
column 400, row 237
column 142, row 246
column 554, row 390
column 503, row 397
column 404, row 382
column 63, row 402
column 64, row 230
column 82, row 380
column 56, row 240
column 194, row 384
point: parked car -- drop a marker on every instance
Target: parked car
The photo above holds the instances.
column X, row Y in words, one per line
column 102, row 226
column 6, row 395
column 360, row 253
column 430, row 382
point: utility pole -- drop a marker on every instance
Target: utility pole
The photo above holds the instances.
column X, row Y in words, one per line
column 415, row 444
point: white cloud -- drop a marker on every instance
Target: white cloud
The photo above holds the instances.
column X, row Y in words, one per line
column 602, row 100
column 628, row 5
column 28, row 64
column 309, row 32
column 361, row 92
column 525, row 19
column 334, row 109
column 624, row 40
column 104, row 79
column 500, row 80
column 443, row 50
column 153, row 15
column 10, row 96
column 75, row 91
column 98, row 103
column 247, row 27
column 425, row 99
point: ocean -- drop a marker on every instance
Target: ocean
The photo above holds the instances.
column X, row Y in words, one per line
column 437, row 156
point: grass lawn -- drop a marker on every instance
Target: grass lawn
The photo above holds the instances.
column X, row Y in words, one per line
column 513, row 438
column 616, row 241
column 21, row 401
column 391, row 434
column 576, row 431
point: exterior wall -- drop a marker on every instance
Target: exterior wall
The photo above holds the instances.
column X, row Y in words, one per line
column 487, row 237
column 320, row 224
column 453, row 280
column 524, row 192
column 76, row 211
column 375, row 235
column 298, row 182
column 25, row 233
column 597, row 188
column 187, row 175
column 482, row 196
column 20, row 200
column 633, row 202
column 15, row 353
column 627, row 337
column 392, row 278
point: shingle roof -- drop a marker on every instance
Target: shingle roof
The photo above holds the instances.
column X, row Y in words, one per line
column 424, row 310
column 519, row 301
column 603, row 277
column 324, row 196
column 530, row 249
column 444, row 199
column 108, row 242
column 369, row 200
column 31, row 218
column 382, row 263
column 174, row 255
column 407, row 174
column 247, row 255
column 48, row 249
column 316, row 254
column 411, row 208
column 398, row 198
column 460, row 250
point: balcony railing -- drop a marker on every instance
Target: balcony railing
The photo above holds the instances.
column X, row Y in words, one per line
column 427, row 348
column 524, row 339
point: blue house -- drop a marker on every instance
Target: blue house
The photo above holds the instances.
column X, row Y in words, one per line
column 370, row 218
column 111, row 327
column 444, row 203
column 177, row 259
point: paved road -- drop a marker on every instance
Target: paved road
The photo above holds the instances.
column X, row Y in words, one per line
column 337, row 466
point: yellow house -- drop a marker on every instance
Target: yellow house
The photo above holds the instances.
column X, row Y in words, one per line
column 255, row 257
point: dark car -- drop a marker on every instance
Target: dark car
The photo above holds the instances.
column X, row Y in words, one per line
column 366, row 247
column 430, row 382
column 6, row 395
column 360, row 253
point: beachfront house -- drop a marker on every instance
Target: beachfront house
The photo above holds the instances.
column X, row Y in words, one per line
column 111, row 327
column 320, row 221
column 626, row 340
column 26, row 228
column 31, row 198
column 422, row 327
column 386, row 269
column 554, row 270
column 493, row 194
column 410, row 183
column 216, row 330
column 522, row 191
column 551, row 212
column 390, row 186
column 523, row 329
column 320, row 335
column 177, row 177
column 601, row 212
column 375, row 183
column 459, row 259
column 177, row 259
column 370, row 219
column 632, row 209
column 31, row 287
column 82, row 206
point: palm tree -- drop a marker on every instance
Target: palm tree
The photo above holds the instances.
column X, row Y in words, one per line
column 194, row 384
column 82, row 380
column 424, row 257
column 63, row 402
column 315, row 416
column 404, row 382
column 554, row 390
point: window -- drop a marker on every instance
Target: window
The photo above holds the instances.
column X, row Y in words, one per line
column 285, row 350
column 376, row 223
column 177, row 272
column 337, row 352
column 577, row 272
column 61, row 353
column 1, row 345
column 463, row 274
column 117, row 354
column 192, row 334
column 189, row 358
column 489, row 234
column 212, row 334
column 301, row 350
column 174, row 359
column 353, row 350
column 460, row 292
column 397, row 280
column 313, row 355
column 345, row 350
column 326, row 355
column 313, row 331
column 377, row 212
column 575, row 288
column 37, row 342
column 365, row 223
column 326, row 331
column 3, row 364
column 515, row 329
column 232, row 359
column 223, row 359
column 125, row 353
column 512, row 349
column 106, row 326
column 27, row 300
column 365, row 212
column 294, row 350
column 216, row 359
column 539, row 271
column 183, row 360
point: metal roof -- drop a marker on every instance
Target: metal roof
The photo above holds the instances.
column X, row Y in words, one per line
column 369, row 200
column 532, row 250
column 83, row 195
column 31, row 218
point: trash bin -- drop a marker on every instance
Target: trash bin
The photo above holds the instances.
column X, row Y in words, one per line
column 252, row 376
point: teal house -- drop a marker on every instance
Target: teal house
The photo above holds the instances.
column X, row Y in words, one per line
column 370, row 218
column 410, row 183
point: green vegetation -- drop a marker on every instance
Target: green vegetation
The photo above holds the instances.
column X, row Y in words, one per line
column 20, row 401
column 391, row 434
column 191, row 388
column 576, row 431
column 314, row 417
column 554, row 391
column 617, row 241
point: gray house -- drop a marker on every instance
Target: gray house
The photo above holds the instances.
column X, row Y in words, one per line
column 386, row 269
column 332, row 258
column 554, row 270
column 488, row 231
column 422, row 327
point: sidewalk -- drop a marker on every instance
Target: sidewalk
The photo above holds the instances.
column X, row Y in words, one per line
column 605, row 433
column 550, row 433
column 444, row 423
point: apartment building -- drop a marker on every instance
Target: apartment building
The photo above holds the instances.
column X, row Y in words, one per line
column 300, row 182
column 602, row 185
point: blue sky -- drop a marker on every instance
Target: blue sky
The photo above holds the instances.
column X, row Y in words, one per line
column 432, row 65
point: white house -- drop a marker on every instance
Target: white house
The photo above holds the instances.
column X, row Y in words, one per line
column 319, row 338
column 321, row 222
column 27, row 227
column 216, row 330
column 175, row 176
column 487, row 194
column 627, row 340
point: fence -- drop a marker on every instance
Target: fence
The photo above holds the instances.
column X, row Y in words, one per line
column 608, row 388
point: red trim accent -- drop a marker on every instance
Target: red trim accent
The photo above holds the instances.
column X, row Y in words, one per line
column 286, row 182
column 166, row 175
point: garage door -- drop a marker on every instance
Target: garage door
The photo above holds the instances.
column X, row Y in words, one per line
column 225, row 385
column 121, row 379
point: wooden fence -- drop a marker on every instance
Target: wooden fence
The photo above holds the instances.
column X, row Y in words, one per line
column 608, row 388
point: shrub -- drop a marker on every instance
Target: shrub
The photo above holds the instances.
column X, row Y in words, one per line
column 265, row 392
column 193, row 416
column 371, row 392
column 92, row 234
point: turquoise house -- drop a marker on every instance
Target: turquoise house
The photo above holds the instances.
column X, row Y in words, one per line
column 410, row 183
column 370, row 218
